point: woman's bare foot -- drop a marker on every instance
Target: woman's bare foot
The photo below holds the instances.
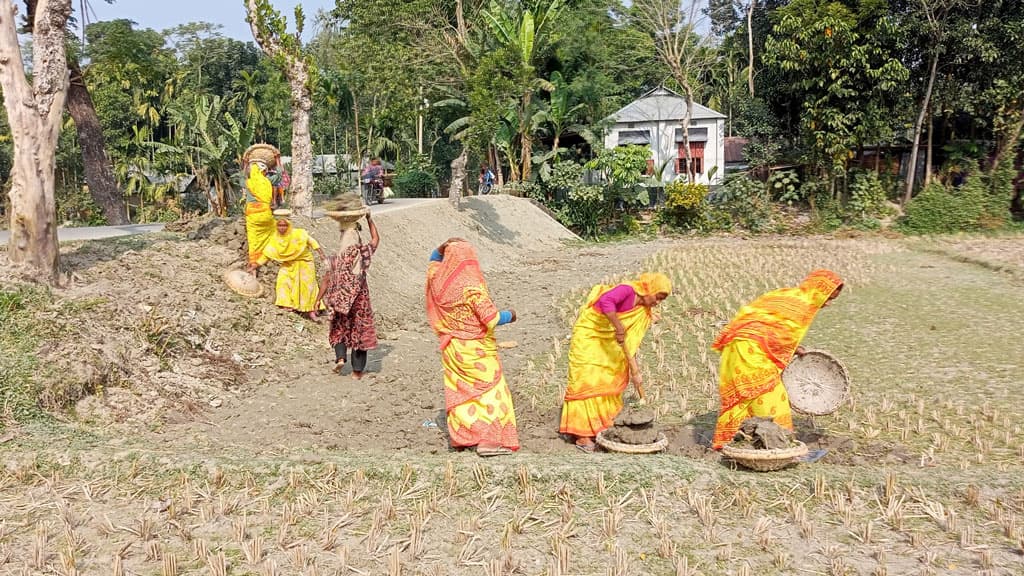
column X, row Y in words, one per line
column 357, row 375
column 338, row 365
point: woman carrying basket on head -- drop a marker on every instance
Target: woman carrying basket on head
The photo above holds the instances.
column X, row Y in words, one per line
column 608, row 332
column 345, row 291
column 259, row 198
column 756, row 347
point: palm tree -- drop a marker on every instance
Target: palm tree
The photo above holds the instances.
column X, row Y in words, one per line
column 560, row 113
column 247, row 93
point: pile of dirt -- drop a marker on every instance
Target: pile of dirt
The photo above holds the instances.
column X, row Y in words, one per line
column 148, row 333
column 634, row 426
column 763, row 434
column 346, row 202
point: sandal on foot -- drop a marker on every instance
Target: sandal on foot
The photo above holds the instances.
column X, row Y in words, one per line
column 587, row 448
column 486, row 452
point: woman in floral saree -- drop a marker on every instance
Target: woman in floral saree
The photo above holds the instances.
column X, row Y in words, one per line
column 345, row 291
column 608, row 332
column 292, row 248
column 756, row 347
column 460, row 310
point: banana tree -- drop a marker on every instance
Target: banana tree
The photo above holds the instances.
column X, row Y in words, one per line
column 560, row 114
column 527, row 36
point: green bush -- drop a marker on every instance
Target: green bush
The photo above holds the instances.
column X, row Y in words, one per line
column 937, row 209
column 745, row 202
column 564, row 177
column 523, row 190
column 685, row 205
column 785, row 186
column 415, row 184
column 330, row 186
column 867, row 197
column 585, row 209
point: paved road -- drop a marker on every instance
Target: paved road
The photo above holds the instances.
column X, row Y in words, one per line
column 100, row 232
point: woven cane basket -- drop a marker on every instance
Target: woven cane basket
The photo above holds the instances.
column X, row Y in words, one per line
column 817, row 383
column 764, row 460
column 612, row 446
column 243, row 283
column 265, row 153
column 348, row 217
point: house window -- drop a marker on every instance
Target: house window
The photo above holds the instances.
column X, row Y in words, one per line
column 696, row 157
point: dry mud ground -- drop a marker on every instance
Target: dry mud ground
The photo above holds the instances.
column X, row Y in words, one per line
column 213, row 439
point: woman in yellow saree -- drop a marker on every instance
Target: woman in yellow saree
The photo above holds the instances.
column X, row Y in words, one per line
column 259, row 218
column 756, row 347
column 605, row 339
column 460, row 310
column 296, row 288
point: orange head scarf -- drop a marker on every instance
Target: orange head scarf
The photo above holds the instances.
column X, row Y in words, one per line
column 458, row 302
column 779, row 319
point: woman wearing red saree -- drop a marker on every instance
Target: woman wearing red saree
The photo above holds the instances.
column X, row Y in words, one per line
column 460, row 310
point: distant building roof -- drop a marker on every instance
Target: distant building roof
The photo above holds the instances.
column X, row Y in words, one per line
column 661, row 104
column 734, row 148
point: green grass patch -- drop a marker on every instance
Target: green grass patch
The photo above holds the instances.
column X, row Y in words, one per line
column 19, row 339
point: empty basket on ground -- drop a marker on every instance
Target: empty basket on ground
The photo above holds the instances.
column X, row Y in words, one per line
column 243, row 283
column 817, row 383
column 764, row 460
column 612, row 446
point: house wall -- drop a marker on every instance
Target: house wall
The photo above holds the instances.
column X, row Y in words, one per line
column 664, row 147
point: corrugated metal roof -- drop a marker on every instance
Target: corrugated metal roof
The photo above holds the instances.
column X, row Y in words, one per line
column 661, row 104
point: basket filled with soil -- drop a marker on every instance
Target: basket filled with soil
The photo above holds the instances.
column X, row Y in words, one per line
column 764, row 446
column 634, row 432
column 817, row 383
column 265, row 153
column 346, row 209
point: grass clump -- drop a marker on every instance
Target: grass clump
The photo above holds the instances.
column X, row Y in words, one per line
column 19, row 339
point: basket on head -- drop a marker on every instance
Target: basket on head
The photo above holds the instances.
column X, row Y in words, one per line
column 817, row 383
column 282, row 213
column 764, row 460
column 265, row 153
column 612, row 446
column 243, row 283
column 347, row 218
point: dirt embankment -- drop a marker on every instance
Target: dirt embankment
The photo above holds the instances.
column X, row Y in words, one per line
column 147, row 333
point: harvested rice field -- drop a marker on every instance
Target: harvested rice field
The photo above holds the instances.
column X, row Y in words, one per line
column 300, row 472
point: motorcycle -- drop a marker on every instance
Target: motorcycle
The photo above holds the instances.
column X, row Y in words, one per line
column 373, row 190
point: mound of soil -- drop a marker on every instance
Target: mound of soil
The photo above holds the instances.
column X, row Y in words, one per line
column 344, row 203
column 634, row 426
column 762, row 434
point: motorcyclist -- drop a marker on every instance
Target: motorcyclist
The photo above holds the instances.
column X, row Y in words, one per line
column 373, row 176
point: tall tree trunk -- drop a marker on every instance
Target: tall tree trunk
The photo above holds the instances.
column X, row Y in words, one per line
column 912, row 169
column 34, row 112
column 750, row 47
column 526, row 137
column 497, row 166
column 99, row 172
column 1008, row 143
column 458, row 178
column 929, row 122
column 687, row 115
column 359, row 143
column 302, row 147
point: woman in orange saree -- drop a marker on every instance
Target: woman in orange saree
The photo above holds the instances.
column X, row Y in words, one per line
column 460, row 310
column 758, row 344
column 605, row 339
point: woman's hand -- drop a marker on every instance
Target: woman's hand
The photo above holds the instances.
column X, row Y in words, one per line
column 620, row 334
column 251, row 268
column 514, row 317
column 800, row 351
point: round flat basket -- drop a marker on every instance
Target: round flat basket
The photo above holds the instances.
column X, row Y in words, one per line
column 347, row 216
column 764, row 460
column 265, row 153
column 613, row 446
column 243, row 283
column 817, row 383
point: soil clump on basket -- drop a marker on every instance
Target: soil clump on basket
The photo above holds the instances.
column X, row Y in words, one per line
column 346, row 202
column 763, row 434
column 634, row 426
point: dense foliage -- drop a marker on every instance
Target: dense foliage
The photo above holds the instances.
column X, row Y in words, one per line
column 827, row 94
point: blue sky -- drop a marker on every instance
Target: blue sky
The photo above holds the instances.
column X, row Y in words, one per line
column 163, row 14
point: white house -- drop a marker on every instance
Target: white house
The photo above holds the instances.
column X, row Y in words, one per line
column 655, row 120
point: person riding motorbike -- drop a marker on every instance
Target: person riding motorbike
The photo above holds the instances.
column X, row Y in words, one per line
column 373, row 180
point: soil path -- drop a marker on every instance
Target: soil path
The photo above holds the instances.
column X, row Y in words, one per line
column 399, row 405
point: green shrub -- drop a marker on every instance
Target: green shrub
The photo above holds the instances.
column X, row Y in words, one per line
column 785, row 186
column 585, row 209
column 330, row 186
column 746, row 202
column 415, row 184
column 685, row 205
column 564, row 177
column 867, row 197
column 937, row 209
